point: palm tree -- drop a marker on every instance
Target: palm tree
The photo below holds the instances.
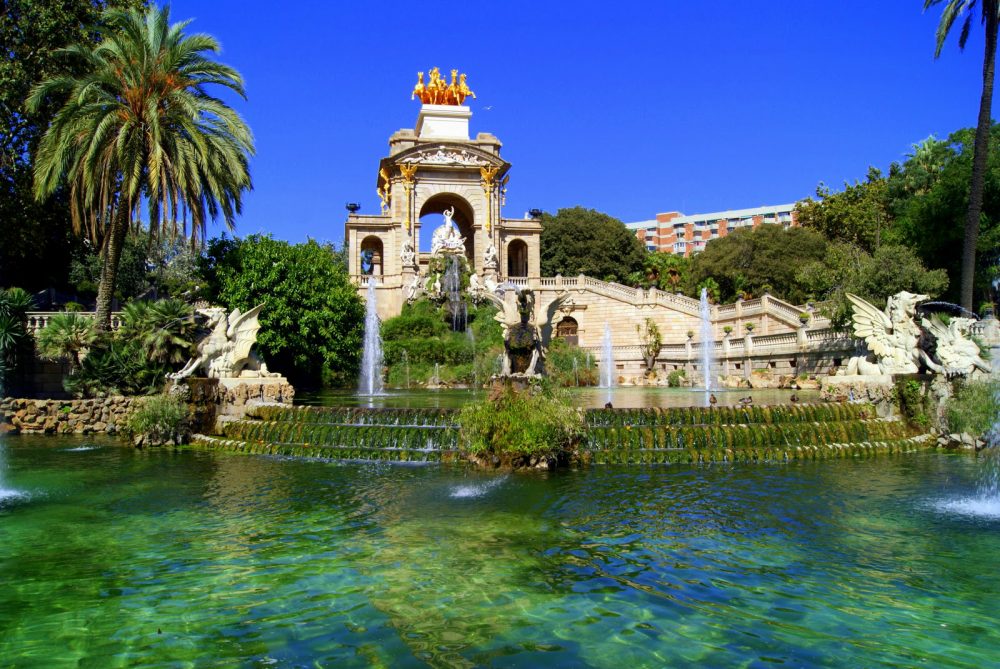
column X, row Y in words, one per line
column 990, row 9
column 67, row 335
column 15, row 303
column 140, row 126
column 163, row 330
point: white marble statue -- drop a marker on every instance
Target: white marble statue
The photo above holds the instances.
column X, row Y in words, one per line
column 957, row 354
column 892, row 336
column 412, row 289
column 224, row 353
column 490, row 260
column 407, row 255
column 894, row 340
column 474, row 285
column 447, row 238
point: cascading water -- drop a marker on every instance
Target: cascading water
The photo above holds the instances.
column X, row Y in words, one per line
column 452, row 287
column 5, row 492
column 370, row 382
column 986, row 503
column 471, row 336
column 607, row 361
column 707, row 340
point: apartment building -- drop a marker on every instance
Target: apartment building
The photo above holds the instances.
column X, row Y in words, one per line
column 674, row 232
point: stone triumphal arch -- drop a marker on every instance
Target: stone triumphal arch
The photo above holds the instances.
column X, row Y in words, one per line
column 436, row 171
column 433, row 168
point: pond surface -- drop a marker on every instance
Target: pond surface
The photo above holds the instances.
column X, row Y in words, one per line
column 110, row 557
column 622, row 397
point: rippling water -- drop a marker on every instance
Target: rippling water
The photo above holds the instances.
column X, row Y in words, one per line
column 121, row 558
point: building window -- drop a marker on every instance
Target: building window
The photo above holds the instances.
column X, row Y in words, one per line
column 517, row 258
column 567, row 330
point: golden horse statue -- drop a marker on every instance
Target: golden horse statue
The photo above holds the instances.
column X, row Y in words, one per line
column 437, row 90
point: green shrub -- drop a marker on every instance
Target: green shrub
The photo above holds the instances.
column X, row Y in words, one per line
column 521, row 428
column 974, row 407
column 161, row 420
column 559, row 365
column 675, row 377
column 423, row 331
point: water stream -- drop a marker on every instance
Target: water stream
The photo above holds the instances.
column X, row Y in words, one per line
column 707, row 341
column 607, row 361
column 370, row 382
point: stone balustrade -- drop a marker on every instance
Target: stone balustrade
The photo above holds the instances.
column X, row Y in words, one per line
column 36, row 320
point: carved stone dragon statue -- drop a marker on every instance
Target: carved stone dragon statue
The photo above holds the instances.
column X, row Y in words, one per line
column 893, row 338
column 224, row 353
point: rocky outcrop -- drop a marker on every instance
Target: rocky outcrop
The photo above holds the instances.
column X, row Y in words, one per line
column 105, row 415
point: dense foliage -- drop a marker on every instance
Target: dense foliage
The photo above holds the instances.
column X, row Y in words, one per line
column 161, row 420
column 36, row 245
column 515, row 429
column 422, row 337
column 313, row 320
column 974, row 408
column 846, row 268
column 666, row 271
column 67, row 336
column 584, row 241
column 567, row 365
column 14, row 339
column 155, row 338
column 141, row 100
column 748, row 263
column 920, row 205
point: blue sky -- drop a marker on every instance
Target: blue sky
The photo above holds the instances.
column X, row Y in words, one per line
column 628, row 108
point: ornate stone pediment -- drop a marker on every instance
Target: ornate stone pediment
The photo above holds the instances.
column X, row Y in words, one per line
column 445, row 155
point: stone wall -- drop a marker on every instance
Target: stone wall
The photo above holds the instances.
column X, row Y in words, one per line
column 211, row 402
column 106, row 415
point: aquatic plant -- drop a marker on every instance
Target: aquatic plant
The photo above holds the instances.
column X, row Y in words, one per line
column 520, row 428
column 161, row 420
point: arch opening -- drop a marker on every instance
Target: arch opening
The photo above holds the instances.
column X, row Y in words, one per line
column 517, row 258
column 431, row 218
column 370, row 256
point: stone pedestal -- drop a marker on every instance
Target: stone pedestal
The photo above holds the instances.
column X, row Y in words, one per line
column 444, row 122
column 216, row 401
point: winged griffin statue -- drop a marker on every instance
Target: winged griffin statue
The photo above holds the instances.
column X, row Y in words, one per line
column 892, row 335
column 224, row 353
column 893, row 338
column 523, row 350
column 957, row 353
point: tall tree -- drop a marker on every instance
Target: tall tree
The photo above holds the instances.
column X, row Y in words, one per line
column 583, row 241
column 990, row 10
column 37, row 241
column 139, row 125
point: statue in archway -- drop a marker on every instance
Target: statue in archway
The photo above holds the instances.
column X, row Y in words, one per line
column 447, row 238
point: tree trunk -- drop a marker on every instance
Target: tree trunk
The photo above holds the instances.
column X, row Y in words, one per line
column 979, row 157
column 109, row 270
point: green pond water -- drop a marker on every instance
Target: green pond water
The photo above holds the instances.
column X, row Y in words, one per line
column 622, row 397
column 111, row 557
